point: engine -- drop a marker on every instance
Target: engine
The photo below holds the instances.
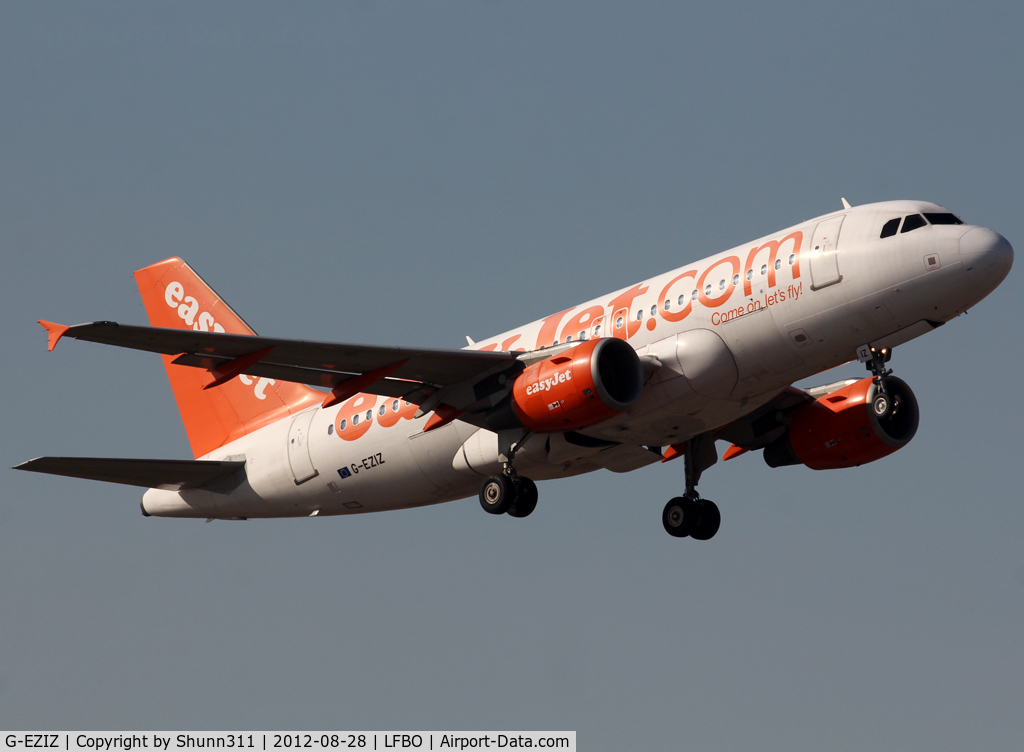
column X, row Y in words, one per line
column 574, row 389
column 842, row 430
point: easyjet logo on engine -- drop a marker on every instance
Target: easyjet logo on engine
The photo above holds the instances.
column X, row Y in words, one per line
column 549, row 383
column 202, row 321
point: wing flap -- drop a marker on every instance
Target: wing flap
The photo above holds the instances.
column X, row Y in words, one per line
column 172, row 475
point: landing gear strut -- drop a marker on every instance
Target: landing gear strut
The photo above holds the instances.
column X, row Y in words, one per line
column 882, row 403
column 689, row 514
column 509, row 492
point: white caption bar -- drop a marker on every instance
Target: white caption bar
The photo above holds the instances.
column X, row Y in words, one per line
column 294, row 741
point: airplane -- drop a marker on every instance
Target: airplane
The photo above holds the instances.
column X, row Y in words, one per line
column 653, row 372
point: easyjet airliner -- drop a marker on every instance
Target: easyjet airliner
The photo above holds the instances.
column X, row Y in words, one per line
column 656, row 371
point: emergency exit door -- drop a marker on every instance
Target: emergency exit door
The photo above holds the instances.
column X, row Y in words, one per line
column 824, row 254
column 298, row 447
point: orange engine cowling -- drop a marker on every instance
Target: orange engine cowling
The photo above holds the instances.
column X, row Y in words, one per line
column 841, row 430
column 579, row 387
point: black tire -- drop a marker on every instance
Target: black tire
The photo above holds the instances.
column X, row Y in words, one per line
column 526, row 499
column 497, row 494
column 677, row 516
column 881, row 405
column 708, row 522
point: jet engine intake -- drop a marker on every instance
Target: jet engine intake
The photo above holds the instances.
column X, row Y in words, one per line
column 574, row 389
column 841, row 430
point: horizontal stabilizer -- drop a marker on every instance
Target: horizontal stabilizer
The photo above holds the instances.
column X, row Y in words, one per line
column 172, row 475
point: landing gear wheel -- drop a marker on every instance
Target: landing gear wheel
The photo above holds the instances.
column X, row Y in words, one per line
column 526, row 498
column 497, row 494
column 881, row 405
column 709, row 519
column 678, row 515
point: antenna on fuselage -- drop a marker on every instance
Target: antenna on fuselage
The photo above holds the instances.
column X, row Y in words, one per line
column 846, row 204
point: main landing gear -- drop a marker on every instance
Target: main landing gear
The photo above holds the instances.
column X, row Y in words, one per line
column 689, row 514
column 509, row 493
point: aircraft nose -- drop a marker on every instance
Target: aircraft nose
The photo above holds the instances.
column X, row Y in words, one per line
column 986, row 254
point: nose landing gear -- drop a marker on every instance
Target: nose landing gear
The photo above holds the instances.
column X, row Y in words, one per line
column 689, row 515
column 882, row 403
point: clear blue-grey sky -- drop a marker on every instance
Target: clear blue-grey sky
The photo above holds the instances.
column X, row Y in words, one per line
column 410, row 173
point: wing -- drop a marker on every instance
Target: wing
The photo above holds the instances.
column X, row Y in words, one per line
column 461, row 379
column 173, row 475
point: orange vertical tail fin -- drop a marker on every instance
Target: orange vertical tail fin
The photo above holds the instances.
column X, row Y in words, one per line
column 176, row 297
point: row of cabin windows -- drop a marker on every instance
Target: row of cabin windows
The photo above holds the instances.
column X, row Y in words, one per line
column 369, row 415
column 619, row 321
column 915, row 221
column 582, row 336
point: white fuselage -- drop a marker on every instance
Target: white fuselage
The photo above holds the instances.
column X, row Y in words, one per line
column 729, row 331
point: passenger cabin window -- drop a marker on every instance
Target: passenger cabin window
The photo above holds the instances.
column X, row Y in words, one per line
column 943, row 219
column 912, row 222
column 889, row 228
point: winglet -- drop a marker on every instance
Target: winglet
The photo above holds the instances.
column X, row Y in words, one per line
column 55, row 332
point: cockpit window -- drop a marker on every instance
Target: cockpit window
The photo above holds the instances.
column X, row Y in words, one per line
column 943, row 219
column 912, row 222
column 890, row 227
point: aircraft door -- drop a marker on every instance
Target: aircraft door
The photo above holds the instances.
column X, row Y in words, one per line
column 824, row 254
column 298, row 447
